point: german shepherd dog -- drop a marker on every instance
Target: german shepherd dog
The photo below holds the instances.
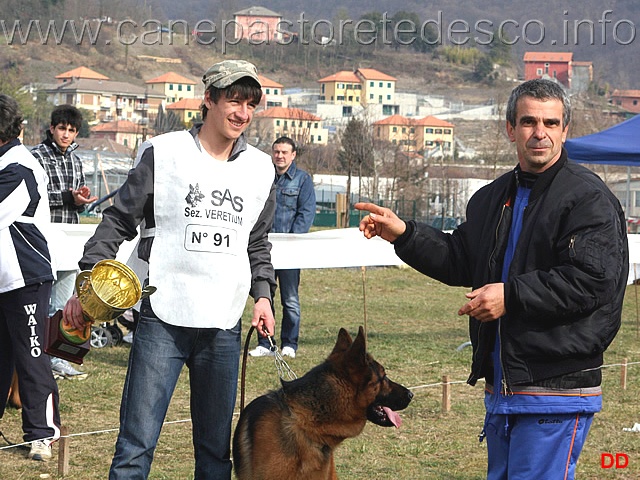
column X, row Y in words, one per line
column 291, row 433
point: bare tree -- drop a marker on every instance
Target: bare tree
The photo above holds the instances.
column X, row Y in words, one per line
column 356, row 153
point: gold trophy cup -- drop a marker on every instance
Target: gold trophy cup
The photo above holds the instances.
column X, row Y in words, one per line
column 105, row 292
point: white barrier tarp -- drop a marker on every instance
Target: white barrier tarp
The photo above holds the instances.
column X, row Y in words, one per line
column 335, row 248
column 345, row 247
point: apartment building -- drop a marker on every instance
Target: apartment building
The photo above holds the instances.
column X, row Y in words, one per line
column 173, row 86
column 300, row 125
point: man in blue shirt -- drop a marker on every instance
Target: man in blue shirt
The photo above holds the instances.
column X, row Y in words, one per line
column 295, row 211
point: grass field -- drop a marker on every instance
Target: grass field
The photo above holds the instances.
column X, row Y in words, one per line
column 413, row 330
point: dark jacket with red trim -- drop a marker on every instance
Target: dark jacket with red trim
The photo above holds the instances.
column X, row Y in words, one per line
column 566, row 282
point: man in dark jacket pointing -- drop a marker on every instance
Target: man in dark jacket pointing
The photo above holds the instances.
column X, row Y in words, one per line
column 544, row 249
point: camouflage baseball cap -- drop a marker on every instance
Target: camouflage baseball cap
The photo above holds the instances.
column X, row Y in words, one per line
column 223, row 74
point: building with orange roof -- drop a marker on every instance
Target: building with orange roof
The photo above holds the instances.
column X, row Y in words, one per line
column 303, row 127
column 341, row 88
column 628, row 100
column 272, row 93
column 553, row 65
column 377, row 87
column 123, row 132
column 188, row 109
column 173, row 86
column 107, row 99
column 427, row 135
column 397, row 130
column 364, row 87
column 80, row 72
column 433, row 133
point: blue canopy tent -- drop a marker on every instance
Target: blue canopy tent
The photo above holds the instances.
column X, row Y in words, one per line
column 618, row 145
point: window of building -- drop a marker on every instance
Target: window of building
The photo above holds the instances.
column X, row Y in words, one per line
column 388, row 97
column 380, row 84
column 438, row 131
column 188, row 88
column 267, row 91
column 538, row 71
column 372, row 84
column 447, row 131
column 428, row 143
column 371, row 96
column 277, row 123
column 635, row 102
column 315, row 125
column 394, row 129
column 179, row 88
column 189, row 114
column 389, row 85
column 404, row 130
column 379, row 98
column 171, row 86
column 358, row 99
column 347, row 111
column 275, row 91
column 340, row 98
column 428, row 130
column 319, row 139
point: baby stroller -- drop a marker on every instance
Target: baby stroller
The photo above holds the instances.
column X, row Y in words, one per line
column 110, row 334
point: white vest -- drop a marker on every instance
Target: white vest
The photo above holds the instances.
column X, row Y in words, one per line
column 204, row 210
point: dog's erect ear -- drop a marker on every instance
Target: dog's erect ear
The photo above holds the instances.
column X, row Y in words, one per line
column 357, row 354
column 343, row 343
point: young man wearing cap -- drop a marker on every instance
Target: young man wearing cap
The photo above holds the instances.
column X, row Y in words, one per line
column 205, row 201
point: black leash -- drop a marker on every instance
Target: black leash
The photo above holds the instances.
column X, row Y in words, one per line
column 284, row 371
column 9, row 442
column 244, row 366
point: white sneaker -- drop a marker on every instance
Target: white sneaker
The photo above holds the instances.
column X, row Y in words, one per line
column 128, row 338
column 63, row 369
column 261, row 351
column 288, row 352
column 40, row 451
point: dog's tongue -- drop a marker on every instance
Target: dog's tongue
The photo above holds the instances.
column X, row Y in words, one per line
column 393, row 416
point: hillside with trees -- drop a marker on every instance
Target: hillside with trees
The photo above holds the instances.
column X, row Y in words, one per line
column 458, row 54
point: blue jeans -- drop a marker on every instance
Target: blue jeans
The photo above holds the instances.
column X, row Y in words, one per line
column 158, row 353
column 288, row 282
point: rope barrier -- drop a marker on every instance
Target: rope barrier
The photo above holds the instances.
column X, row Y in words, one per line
column 172, row 422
